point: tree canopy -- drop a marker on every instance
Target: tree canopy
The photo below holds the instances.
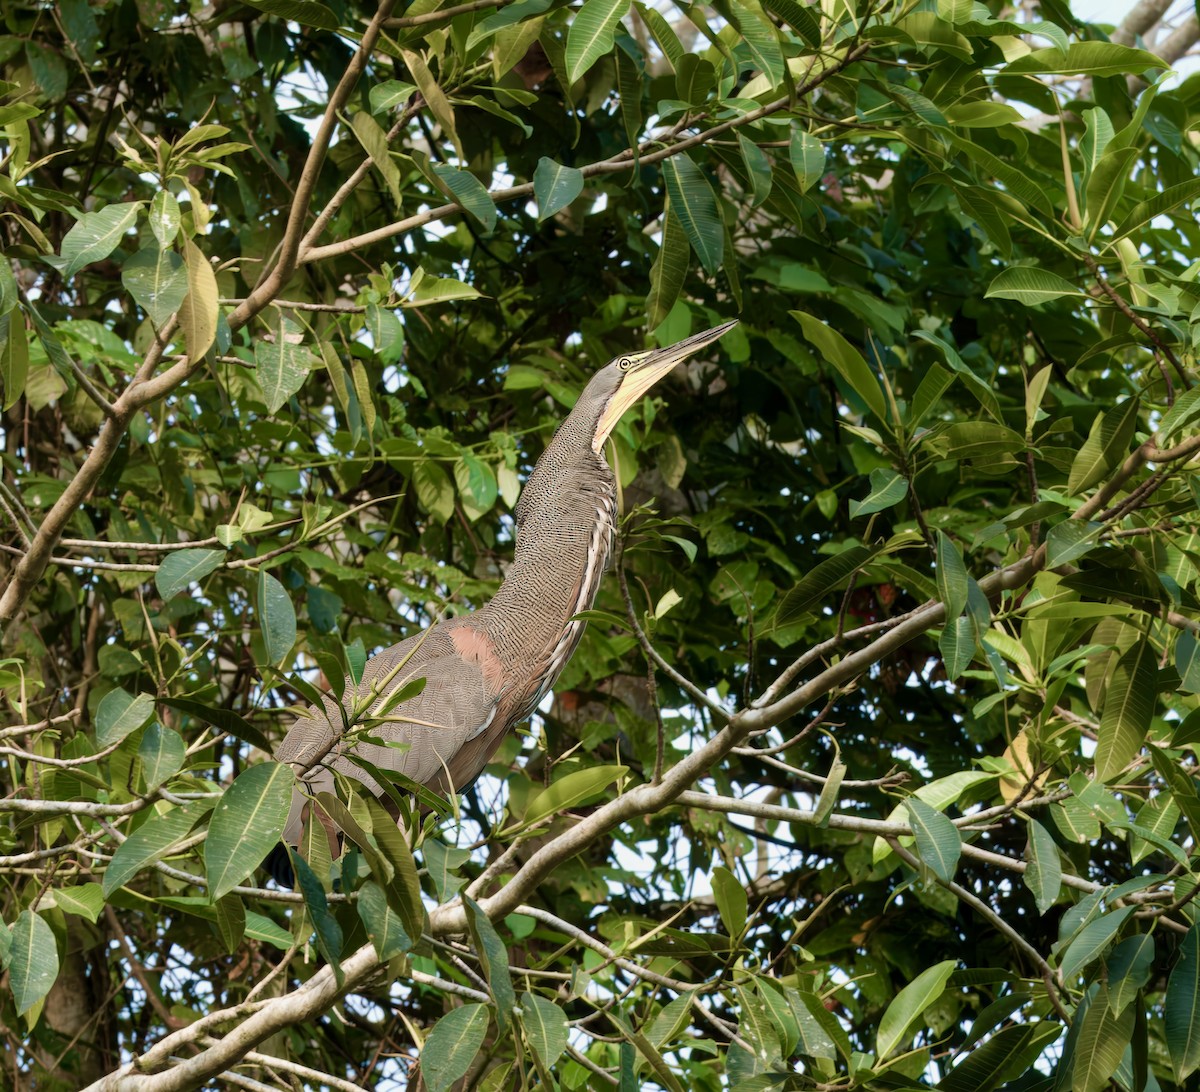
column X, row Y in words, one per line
column 876, row 767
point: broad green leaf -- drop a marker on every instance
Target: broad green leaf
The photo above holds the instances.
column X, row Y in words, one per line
column 732, row 901
column 86, row 900
column 434, row 490
column 847, row 360
column 907, row 1007
column 1043, row 869
column 469, row 192
column 1181, row 1010
column 1160, row 204
column 476, row 485
column 555, row 186
column 939, row 844
column 231, row 922
column 888, row 488
column 199, row 311
column 664, row 35
column 308, row 13
column 1085, row 59
column 1187, row 662
column 246, row 824
column 404, row 889
column 951, row 576
column 440, row 290
column 819, row 584
column 982, row 114
column 225, row 720
column 442, row 862
column 1105, row 448
column 276, row 617
column 807, row 155
column 96, row 235
column 1106, row 186
column 329, row 932
column 1070, row 540
column 1185, row 412
column 381, row 922
column 282, row 365
column 1102, row 1040
column 507, row 16
column 695, row 79
column 758, row 169
column 570, row 790
column 1130, row 965
column 669, row 269
column 978, row 388
column 590, row 35
column 1003, row 1057
column 33, row 960
column 1030, row 285
column 435, row 98
column 452, row 1045
column 150, row 842
column 162, row 752
column 1128, row 708
column 374, row 142
column 545, row 1027
column 121, row 713
column 693, row 202
column 1091, row 943
column 157, row 280
column 182, row 568
column 493, row 956
column 957, row 645
column 761, row 38
column 14, row 359
column 392, row 93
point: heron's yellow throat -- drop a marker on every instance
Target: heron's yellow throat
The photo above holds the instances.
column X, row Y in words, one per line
column 643, row 370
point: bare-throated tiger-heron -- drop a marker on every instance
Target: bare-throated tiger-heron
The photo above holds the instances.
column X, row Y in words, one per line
column 487, row 671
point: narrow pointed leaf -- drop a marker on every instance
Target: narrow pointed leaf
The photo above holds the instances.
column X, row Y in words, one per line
column 276, row 618
column 847, row 360
column 591, row 33
column 939, row 844
column 907, row 1007
column 198, row 313
column 33, row 960
column 246, row 824
column 1043, row 869
column 693, row 202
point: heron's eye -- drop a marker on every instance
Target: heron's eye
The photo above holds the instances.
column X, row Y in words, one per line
column 624, row 363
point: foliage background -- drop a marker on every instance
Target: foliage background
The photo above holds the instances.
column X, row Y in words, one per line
column 296, row 294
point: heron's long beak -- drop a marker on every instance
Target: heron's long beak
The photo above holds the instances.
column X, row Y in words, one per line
column 647, row 369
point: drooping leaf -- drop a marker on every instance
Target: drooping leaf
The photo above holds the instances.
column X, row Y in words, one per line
column 555, row 186
column 732, row 901
column 452, row 1045
column 1181, row 1010
column 96, row 235
column 469, row 192
column 1043, row 870
column 157, row 280
column 182, row 568
column 493, row 956
column 807, row 154
column 546, row 1029
column 693, row 202
column 276, row 618
column 590, row 35
column 1105, row 447
column 909, row 1005
column 121, row 713
column 939, row 844
column 1128, row 708
column 246, row 824
column 282, row 364
column 199, row 311
column 33, row 960
column 847, row 360
column 162, row 752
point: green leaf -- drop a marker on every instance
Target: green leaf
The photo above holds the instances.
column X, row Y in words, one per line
column 282, row 365
column 198, row 314
column 1085, row 59
column 957, row 645
column 442, row 862
column 590, row 35
column 1159, row 205
column 1030, row 285
column 1043, row 869
column 223, row 719
column 452, row 1045
column 1070, row 540
column 847, row 360
column 404, row 888
column 374, row 142
column 1128, row 708
column 276, row 618
column 1130, row 966
column 1105, row 448
column 507, row 16
column 382, row 923
column 1187, row 662
column 392, row 93
column 14, row 359
column 888, row 487
column 1182, row 1008
column 33, row 960
column 1091, row 943
column 571, row 789
column 807, row 155
column 982, row 114
column 1000, row 1059
column 469, row 192
column 939, row 844
column 1106, row 186
column 439, row 290
column 951, row 576
column 493, row 956
column 329, row 932
column 1184, row 413
column 546, row 1029
column 818, row 585
column 555, row 187
column 308, row 13
column 476, row 485
column 907, row 1007
column 86, row 900
column 151, row 841
column 164, row 218
column 181, row 569
column 732, row 901
column 693, row 202
column 434, row 490
column 758, row 169
column 669, row 269
column 96, row 235
column 1102, row 1040
column 162, row 752
column 121, row 713
column 157, row 281
column 246, row 824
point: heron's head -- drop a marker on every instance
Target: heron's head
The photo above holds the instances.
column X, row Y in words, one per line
column 622, row 381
